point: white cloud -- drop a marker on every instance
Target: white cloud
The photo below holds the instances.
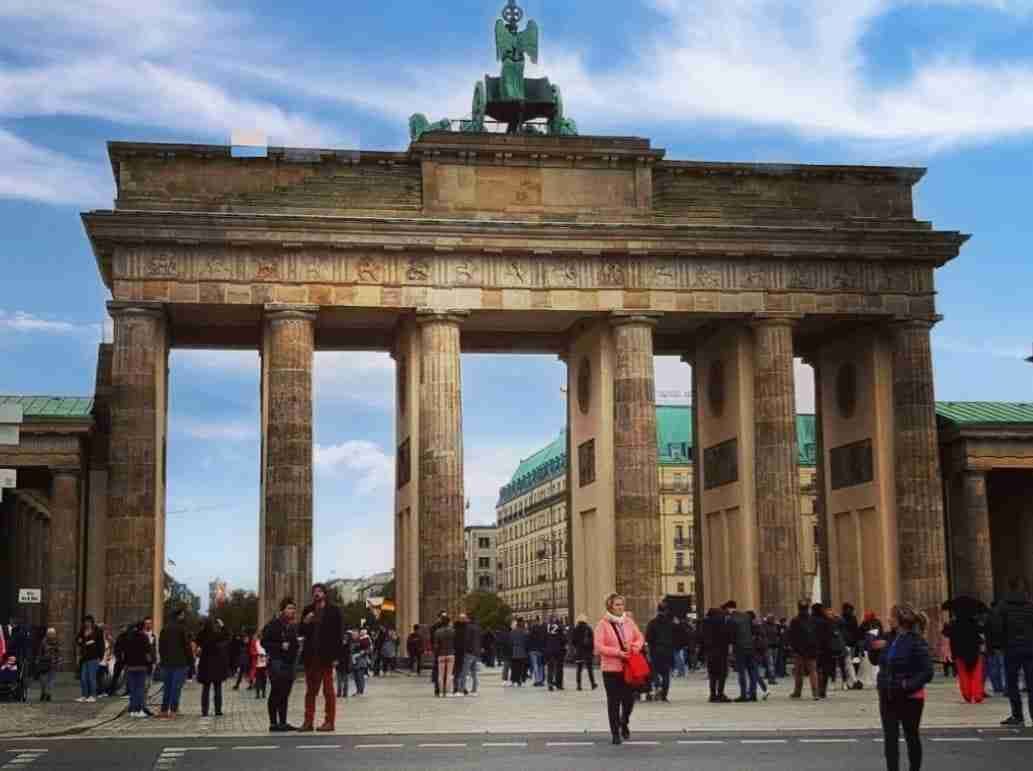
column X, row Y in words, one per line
column 365, row 377
column 230, row 431
column 29, row 323
column 366, row 461
column 486, row 468
column 38, row 174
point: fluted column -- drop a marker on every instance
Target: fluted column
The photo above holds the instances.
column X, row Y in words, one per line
column 441, row 520
column 970, row 540
column 64, row 542
column 288, row 350
column 775, row 464
column 920, row 527
column 135, row 540
column 636, row 484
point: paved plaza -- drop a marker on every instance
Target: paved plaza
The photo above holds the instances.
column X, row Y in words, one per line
column 405, row 705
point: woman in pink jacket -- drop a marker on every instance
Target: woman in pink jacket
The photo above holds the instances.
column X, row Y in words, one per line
column 616, row 638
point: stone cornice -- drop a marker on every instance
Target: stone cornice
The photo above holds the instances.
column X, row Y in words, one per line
column 108, row 229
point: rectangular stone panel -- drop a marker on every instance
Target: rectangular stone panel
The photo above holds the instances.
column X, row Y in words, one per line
column 586, row 463
column 721, row 464
column 852, row 464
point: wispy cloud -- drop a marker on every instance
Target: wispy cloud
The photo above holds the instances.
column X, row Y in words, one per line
column 37, row 174
column 208, row 431
column 30, row 323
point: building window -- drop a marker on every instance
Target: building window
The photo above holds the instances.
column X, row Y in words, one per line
column 484, row 543
column 484, row 582
column 679, row 560
column 681, row 587
column 484, row 563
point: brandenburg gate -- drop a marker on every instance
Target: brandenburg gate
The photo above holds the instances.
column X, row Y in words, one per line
column 600, row 250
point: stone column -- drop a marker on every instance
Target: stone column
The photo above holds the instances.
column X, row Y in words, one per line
column 776, row 467
column 288, row 348
column 441, row 519
column 920, row 526
column 637, row 533
column 970, row 540
column 62, row 580
column 135, row 542
column 700, row 600
column 821, row 498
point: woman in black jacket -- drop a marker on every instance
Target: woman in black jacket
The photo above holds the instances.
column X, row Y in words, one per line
column 905, row 669
column 214, row 666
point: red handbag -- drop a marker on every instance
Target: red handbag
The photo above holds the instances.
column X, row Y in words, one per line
column 636, row 666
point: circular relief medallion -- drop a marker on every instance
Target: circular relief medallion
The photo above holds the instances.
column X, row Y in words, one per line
column 846, row 390
column 716, row 387
column 584, row 386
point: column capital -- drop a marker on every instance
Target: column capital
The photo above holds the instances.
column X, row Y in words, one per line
column 622, row 318
column 791, row 320
column 287, row 312
column 903, row 323
column 434, row 315
column 117, row 308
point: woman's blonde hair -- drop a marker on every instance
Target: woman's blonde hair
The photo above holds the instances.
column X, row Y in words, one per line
column 909, row 617
column 582, row 619
column 611, row 598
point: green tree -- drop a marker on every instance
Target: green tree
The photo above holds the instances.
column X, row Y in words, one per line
column 488, row 609
column 239, row 612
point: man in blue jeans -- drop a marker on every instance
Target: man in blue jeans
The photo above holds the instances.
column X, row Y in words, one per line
column 1013, row 630
column 175, row 653
column 745, row 661
column 536, row 652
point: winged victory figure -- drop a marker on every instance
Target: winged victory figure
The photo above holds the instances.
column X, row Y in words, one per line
column 513, row 48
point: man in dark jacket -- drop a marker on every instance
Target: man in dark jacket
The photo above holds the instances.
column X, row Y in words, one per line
column 120, row 660
column 583, row 641
column 716, row 639
column 555, row 653
column 803, row 639
column 1013, row 630
column 322, row 628
column 536, row 651
column 442, row 621
column 472, row 641
column 176, row 655
column 660, row 639
column 459, row 651
column 745, row 654
column 280, row 640
column 414, row 649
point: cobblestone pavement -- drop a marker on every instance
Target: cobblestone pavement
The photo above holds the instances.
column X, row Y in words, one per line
column 403, row 704
column 62, row 715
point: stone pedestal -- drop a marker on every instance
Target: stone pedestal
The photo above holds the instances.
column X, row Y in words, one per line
column 135, row 542
column 970, row 539
column 637, row 533
column 441, row 516
column 920, row 526
column 285, row 569
column 63, row 569
column 776, row 471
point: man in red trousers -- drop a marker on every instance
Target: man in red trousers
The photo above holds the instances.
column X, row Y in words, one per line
column 322, row 626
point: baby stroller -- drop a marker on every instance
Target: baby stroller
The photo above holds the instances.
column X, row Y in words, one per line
column 13, row 685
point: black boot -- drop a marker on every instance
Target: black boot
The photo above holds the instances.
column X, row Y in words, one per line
column 617, row 739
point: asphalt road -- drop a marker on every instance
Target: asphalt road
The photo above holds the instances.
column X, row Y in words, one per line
column 944, row 751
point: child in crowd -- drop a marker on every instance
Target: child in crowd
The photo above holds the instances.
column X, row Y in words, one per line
column 261, row 663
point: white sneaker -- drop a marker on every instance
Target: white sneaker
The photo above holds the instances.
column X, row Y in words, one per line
column 81, row 700
column 472, row 693
column 135, row 714
column 91, row 700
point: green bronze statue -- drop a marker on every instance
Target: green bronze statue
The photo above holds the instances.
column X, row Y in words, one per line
column 510, row 99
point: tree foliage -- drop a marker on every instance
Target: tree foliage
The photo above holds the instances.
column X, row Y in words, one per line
column 488, row 609
column 239, row 612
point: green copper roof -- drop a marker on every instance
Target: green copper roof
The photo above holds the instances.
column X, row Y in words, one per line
column 52, row 407
column 964, row 413
column 674, row 447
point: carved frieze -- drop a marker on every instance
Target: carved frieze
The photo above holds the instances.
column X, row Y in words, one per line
column 163, row 265
column 369, row 271
column 612, row 273
column 418, row 270
column 707, row 276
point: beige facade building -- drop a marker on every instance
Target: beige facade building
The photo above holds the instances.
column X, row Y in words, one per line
column 532, row 515
column 481, row 558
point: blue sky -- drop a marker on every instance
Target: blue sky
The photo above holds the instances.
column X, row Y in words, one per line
column 947, row 85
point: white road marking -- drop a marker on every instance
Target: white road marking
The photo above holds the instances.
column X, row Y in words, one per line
column 504, row 744
column 1016, row 739
column 257, row 747
column 643, row 743
column 956, row 739
column 379, row 746
column 319, row 746
column 442, row 745
column 828, row 741
column 570, row 744
column 764, row 741
column 700, row 741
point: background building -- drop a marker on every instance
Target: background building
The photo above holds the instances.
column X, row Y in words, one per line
column 481, row 558
column 532, row 517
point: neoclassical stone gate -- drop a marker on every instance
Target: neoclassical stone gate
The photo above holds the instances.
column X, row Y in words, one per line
column 596, row 249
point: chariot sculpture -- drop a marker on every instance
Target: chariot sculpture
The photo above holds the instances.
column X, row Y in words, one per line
column 511, row 98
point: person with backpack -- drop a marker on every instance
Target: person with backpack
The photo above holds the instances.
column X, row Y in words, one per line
column 617, row 639
column 1013, row 631
column 583, row 642
column 48, row 663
